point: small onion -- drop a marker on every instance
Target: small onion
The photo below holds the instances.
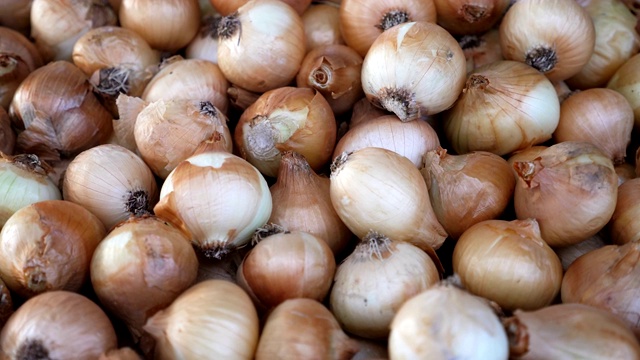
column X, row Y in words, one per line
column 48, row 246
column 287, row 265
column 508, row 262
column 214, row 319
column 571, row 189
column 375, row 280
column 35, row 330
column 218, row 198
column 414, row 69
column 111, row 182
column 445, row 322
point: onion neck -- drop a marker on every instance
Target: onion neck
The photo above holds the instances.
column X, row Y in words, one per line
column 30, row 163
column 8, row 64
column 393, row 18
column 214, row 143
column 322, row 76
column 542, row 58
column 295, row 170
column 229, row 26
column 473, row 13
column 137, row 202
column 400, row 102
column 518, row 336
column 114, row 81
column 32, row 349
column 210, row 26
column 478, row 82
column 207, row 108
column 373, row 244
column 527, row 170
column 338, row 163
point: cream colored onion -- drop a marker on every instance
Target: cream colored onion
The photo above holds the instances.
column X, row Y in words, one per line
column 212, row 319
column 380, row 190
column 505, row 106
column 321, row 25
column 414, row 69
column 218, row 198
column 570, row 188
column 226, row 7
column 410, row 139
column 445, row 322
column 205, row 44
column 375, row 280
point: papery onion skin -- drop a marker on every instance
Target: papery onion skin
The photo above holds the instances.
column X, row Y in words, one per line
column 48, row 246
column 570, row 330
column 607, row 278
column 303, row 329
column 556, row 37
column 226, row 7
column 23, row 181
column 600, row 116
column 527, row 154
column 570, row 188
column 218, row 198
column 212, row 319
column 626, row 81
column 18, row 57
column 569, row 254
column 414, row 69
column 111, row 182
column 505, row 106
column 16, row 15
column 375, row 280
column 362, row 21
column 302, row 202
column 378, row 189
column 169, row 25
column 321, row 25
column 34, row 330
column 140, row 267
column 509, row 263
column 467, row 189
column 624, row 226
column 445, row 322
column 56, row 113
column 261, row 45
column 410, row 139
column 616, row 42
column 189, row 79
column 287, row 266
column 469, row 16
column 286, row 119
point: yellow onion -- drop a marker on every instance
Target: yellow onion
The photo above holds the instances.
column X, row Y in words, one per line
column 362, row 21
column 214, row 319
column 321, row 25
column 168, row 25
column 570, row 188
column 505, row 106
column 375, row 280
column 287, row 265
column 414, row 69
column 226, row 7
column 303, row 329
column 555, row 37
column 24, row 181
column 286, row 119
column 616, row 41
column 18, row 57
column 570, row 331
column 624, row 226
column 261, row 45
column 626, row 81
column 469, row 16
column 111, row 182
column 607, row 278
column 219, row 199
column 446, row 322
column 363, row 111
column 205, row 44
column 380, row 190
column 140, row 267
column 410, row 139
column 467, row 189
column 508, row 262
column 302, row 202
column 528, row 154
column 600, row 116
column 48, row 246
column 35, row 329
column 56, row 113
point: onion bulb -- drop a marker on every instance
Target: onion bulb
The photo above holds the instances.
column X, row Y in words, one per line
column 624, row 227
column 48, row 246
column 414, row 69
column 508, row 262
column 16, row 15
column 321, row 26
column 626, row 81
column 303, row 329
column 214, row 319
column 34, row 331
column 571, row 189
column 469, row 16
column 205, row 45
column 219, row 199
column 261, row 46
column 18, row 57
column 287, row 265
column 375, row 280
column 505, row 106
column 446, row 322
column 380, row 190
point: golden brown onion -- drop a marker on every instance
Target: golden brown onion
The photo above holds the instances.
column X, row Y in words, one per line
column 18, row 57
column 624, row 225
column 321, row 25
column 469, row 16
